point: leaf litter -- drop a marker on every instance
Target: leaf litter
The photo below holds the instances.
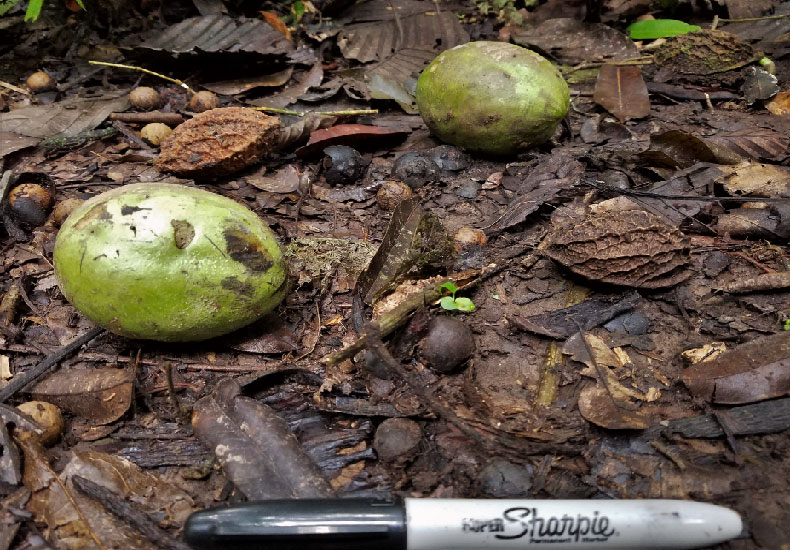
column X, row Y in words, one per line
column 608, row 253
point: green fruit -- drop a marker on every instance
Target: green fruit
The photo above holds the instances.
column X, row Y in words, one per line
column 168, row 262
column 492, row 97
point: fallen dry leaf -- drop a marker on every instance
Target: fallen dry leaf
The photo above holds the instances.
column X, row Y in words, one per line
column 621, row 90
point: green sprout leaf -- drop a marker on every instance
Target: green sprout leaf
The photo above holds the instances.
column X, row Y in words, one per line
column 449, row 287
column 448, row 303
column 6, row 5
column 659, row 28
column 786, row 325
column 464, row 304
column 33, row 10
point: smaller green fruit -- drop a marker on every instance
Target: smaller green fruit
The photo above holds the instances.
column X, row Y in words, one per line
column 492, row 97
column 168, row 262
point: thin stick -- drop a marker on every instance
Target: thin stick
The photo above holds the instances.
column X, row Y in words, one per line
column 133, row 68
column 22, row 380
column 14, row 88
column 349, row 112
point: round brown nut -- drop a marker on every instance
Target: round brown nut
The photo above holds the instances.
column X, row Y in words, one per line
column 397, row 439
column 39, row 82
column 392, row 193
column 47, row 416
column 155, row 132
column 448, row 344
column 469, row 237
column 203, row 101
column 63, row 209
column 144, row 98
column 30, row 203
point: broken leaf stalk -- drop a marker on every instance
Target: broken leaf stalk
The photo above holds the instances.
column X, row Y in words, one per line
column 141, row 69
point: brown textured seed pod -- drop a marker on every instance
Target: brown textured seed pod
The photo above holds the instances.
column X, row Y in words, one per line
column 628, row 247
column 202, row 102
column 469, row 237
column 48, row 416
column 39, row 82
column 63, row 209
column 218, row 142
column 392, row 193
column 155, row 133
column 144, row 98
column 30, row 203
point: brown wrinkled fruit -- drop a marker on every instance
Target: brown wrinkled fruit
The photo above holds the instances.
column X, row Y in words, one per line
column 40, row 82
column 63, row 209
column 46, row 415
column 155, row 133
column 144, row 98
column 203, row 101
column 30, row 203
column 447, row 345
column 468, row 237
column 629, row 247
column 392, row 193
column 218, row 143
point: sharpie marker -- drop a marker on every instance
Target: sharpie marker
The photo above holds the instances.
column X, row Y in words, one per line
column 459, row 524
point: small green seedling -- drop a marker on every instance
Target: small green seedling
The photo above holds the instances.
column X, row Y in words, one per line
column 33, row 8
column 786, row 324
column 451, row 302
column 659, row 28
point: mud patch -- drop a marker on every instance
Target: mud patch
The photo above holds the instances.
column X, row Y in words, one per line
column 246, row 249
column 183, row 233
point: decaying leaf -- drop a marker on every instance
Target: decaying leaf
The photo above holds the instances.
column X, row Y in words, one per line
column 629, row 248
column 413, row 241
column 255, row 447
column 549, row 178
column 750, row 372
column 66, row 118
column 219, row 34
column 80, row 527
column 753, row 143
column 359, row 136
column 572, row 41
column 759, row 85
column 679, row 149
column 756, row 179
column 584, row 316
column 400, row 43
column 621, row 90
column 597, row 406
column 247, row 83
column 98, row 395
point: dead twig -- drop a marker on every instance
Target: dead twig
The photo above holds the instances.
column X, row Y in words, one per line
column 128, row 513
column 171, row 119
column 22, row 380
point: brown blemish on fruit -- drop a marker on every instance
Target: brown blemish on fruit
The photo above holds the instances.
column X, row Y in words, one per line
column 98, row 212
column 246, row 249
column 183, row 233
column 240, row 288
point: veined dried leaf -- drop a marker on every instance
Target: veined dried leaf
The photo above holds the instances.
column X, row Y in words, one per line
column 756, row 179
column 755, row 143
column 353, row 135
column 241, row 85
column 750, row 372
column 98, row 395
column 621, row 90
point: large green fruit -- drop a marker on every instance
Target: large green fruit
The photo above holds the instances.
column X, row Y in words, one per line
column 492, row 97
column 168, row 262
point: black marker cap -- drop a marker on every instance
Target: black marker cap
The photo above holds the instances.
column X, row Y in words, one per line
column 336, row 524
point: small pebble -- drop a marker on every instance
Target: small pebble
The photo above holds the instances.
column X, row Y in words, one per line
column 415, row 169
column 503, row 479
column 397, row 439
